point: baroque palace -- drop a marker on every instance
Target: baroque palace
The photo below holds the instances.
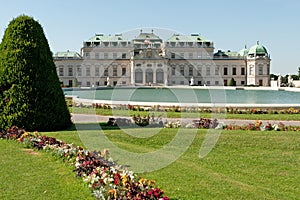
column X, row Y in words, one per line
column 148, row 60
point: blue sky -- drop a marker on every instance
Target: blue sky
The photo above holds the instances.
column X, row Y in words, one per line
column 230, row 24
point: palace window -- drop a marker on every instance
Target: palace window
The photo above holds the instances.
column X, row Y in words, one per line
column 88, row 71
column 243, row 71
column 97, row 55
column 105, row 72
column 199, row 71
column 173, row 71
column 115, row 55
column 97, row 71
column 260, row 70
column 217, row 70
column 115, row 71
column 79, row 72
column 70, row 71
column 225, row 71
column 105, row 55
column 172, row 55
column 234, row 71
column 182, row 70
column 251, row 70
column 190, row 71
column 207, row 71
column 123, row 55
column 190, row 55
column 61, row 71
column 123, row 71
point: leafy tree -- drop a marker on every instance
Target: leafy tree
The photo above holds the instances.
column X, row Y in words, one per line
column 30, row 93
column 274, row 76
column 232, row 82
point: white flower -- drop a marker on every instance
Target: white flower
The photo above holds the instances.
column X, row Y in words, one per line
column 220, row 126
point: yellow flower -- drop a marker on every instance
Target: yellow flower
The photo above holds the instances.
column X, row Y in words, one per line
column 258, row 123
column 143, row 181
column 113, row 192
column 125, row 179
column 151, row 182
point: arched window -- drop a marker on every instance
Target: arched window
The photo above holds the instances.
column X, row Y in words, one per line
column 149, row 76
column 138, row 76
column 159, row 76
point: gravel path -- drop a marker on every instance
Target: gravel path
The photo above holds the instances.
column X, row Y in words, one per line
column 86, row 118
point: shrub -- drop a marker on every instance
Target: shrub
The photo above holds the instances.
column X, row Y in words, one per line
column 232, row 82
column 30, row 92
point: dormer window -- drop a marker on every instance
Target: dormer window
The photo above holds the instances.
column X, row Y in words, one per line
column 106, row 44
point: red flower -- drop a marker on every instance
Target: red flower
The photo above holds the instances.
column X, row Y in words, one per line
column 117, row 178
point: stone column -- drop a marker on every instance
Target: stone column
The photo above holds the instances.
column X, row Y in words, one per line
column 144, row 77
column 166, row 76
column 132, row 74
column 154, row 75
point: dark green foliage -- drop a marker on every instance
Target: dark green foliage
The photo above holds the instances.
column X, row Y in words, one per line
column 30, row 93
column 232, row 82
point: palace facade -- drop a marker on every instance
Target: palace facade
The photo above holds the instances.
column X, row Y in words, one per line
column 148, row 60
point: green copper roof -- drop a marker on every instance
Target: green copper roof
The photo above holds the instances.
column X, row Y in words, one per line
column 67, row 54
column 232, row 53
column 226, row 54
column 187, row 38
column 151, row 37
column 107, row 38
column 244, row 52
column 258, row 50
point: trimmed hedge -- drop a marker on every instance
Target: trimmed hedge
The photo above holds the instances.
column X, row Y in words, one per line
column 30, row 93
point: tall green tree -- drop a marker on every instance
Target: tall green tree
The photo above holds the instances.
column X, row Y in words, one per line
column 30, row 93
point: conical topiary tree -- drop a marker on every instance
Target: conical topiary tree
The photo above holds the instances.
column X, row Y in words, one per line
column 232, row 82
column 30, row 93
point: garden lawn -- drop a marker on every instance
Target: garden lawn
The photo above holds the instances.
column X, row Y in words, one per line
column 242, row 165
column 129, row 113
column 29, row 174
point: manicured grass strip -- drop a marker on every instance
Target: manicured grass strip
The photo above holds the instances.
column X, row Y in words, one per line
column 29, row 174
column 242, row 165
column 129, row 113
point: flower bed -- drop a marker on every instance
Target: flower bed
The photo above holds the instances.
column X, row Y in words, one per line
column 106, row 178
column 193, row 109
column 204, row 123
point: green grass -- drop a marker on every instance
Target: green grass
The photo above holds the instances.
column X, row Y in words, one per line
column 128, row 113
column 28, row 174
column 242, row 165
